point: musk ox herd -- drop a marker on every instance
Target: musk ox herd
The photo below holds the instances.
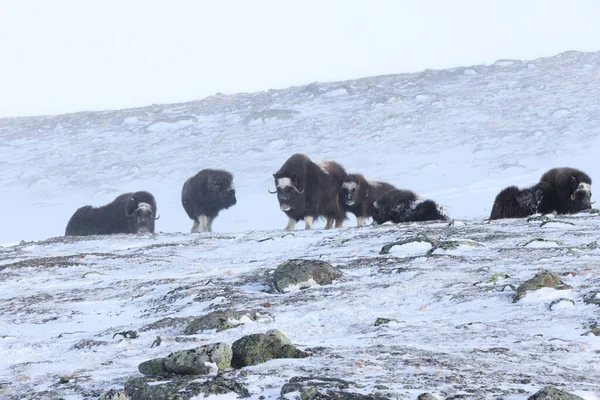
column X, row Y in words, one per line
column 308, row 190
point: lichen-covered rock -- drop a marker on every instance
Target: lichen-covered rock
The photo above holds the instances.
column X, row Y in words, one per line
column 261, row 347
column 426, row 396
column 203, row 360
column 180, row 388
column 540, row 280
column 302, row 274
column 313, row 388
column 383, row 321
column 153, row 367
column 222, row 320
column 114, row 394
column 552, row 393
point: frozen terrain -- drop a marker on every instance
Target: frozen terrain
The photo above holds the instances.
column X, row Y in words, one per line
column 457, row 136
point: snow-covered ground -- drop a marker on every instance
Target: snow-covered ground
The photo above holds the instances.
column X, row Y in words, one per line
column 457, row 136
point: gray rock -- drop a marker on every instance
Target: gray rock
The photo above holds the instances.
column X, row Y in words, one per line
column 426, row 396
column 221, row 320
column 592, row 297
column 203, row 360
column 153, row 367
column 303, row 273
column 540, row 280
column 552, row 393
column 259, row 348
column 316, row 388
column 383, row 321
column 180, row 388
column 114, row 394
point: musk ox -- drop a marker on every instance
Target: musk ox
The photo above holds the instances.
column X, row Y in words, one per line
column 405, row 206
column 133, row 212
column 205, row 194
column 358, row 195
column 307, row 190
column 560, row 191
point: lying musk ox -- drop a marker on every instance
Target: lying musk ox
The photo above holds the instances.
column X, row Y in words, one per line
column 405, row 206
column 128, row 213
column 560, row 191
column 205, row 194
column 358, row 196
column 307, row 191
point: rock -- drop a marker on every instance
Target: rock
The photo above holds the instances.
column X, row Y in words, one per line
column 221, row 320
column 592, row 298
column 540, row 280
column 383, row 321
column 302, row 274
column 416, row 239
column 180, row 388
column 313, row 388
column 153, row 367
column 166, row 323
column 426, row 396
column 259, row 348
column 552, row 393
column 114, row 394
column 203, row 360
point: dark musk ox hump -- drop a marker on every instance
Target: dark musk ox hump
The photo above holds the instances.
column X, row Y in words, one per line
column 428, row 210
column 557, row 185
column 376, row 190
column 399, row 205
column 513, row 202
column 331, row 184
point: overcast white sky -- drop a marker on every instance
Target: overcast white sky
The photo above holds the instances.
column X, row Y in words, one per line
column 60, row 56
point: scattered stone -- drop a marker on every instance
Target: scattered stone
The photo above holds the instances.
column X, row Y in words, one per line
column 552, row 393
column 114, row 394
column 218, row 385
column 383, row 321
column 559, row 303
column 448, row 245
column 88, row 344
column 64, row 379
column 540, row 280
column 167, row 323
column 443, row 245
column 222, row 320
column 416, row 239
column 302, row 274
column 426, row 396
column 127, row 334
column 178, row 388
column 495, row 277
column 259, row 348
column 316, row 388
column 203, row 360
column 592, row 298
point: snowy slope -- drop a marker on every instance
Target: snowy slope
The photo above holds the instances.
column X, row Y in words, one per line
column 456, row 135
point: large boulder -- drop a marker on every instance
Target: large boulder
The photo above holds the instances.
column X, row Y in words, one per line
column 203, row 360
column 552, row 393
column 261, row 347
column 180, row 388
column 301, row 274
column 317, row 388
column 540, row 280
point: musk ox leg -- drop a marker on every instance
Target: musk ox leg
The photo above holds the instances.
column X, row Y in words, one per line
column 203, row 223
column 329, row 223
column 195, row 226
column 291, row 224
column 209, row 224
column 360, row 221
column 338, row 223
column 308, row 221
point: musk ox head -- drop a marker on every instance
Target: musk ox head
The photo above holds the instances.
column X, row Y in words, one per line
column 142, row 219
column 220, row 189
column 290, row 197
column 581, row 195
column 349, row 193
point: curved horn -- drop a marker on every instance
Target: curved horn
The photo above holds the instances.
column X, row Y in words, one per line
column 297, row 191
column 157, row 217
column 269, row 190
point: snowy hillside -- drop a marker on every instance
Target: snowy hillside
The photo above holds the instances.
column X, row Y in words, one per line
column 457, row 136
column 441, row 294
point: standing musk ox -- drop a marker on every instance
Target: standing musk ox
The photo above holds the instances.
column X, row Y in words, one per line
column 358, row 195
column 560, row 191
column 128, row 213
column 307, row 191
column 405, row 206
column 205, row 194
